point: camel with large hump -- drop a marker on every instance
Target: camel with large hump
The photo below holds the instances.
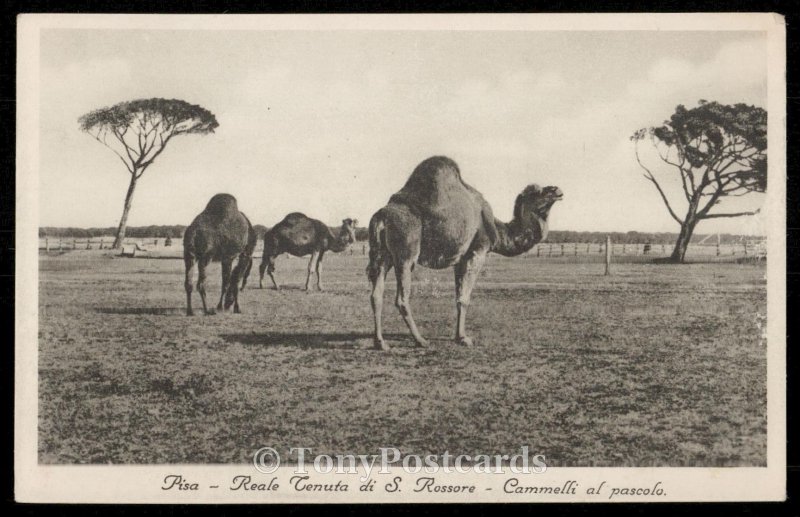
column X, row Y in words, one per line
column 221, row 233
column 439, row 221
column 300, row 235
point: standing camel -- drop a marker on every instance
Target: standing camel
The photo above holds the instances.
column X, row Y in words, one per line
column 439, row 221
column 299, row 235
column 220, row 233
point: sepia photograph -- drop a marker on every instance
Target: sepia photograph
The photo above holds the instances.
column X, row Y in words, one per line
column 293, row 254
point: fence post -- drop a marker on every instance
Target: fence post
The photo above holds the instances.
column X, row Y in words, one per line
column 745, row 248
column 60, row 244
column 101, row 243
column 562, row 250
column 46, row 244
column 74, row 243
column 538, row 250
column 608, row 255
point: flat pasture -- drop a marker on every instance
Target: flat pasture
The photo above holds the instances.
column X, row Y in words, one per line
column 655, row 365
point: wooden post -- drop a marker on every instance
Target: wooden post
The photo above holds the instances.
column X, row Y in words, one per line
column 608, row 255
column 745, row 248
column 562, row 250
column 88, row 243
column 60, row 244
column 74, row 243
column 101, row 243
column 46, row 244
column 538, row 250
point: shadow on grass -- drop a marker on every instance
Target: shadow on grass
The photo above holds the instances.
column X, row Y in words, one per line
column 155, row 311
column 333, row 340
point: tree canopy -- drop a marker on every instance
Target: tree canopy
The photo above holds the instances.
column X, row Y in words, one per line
column 140, row 129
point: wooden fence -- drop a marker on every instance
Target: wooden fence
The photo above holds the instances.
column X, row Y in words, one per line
column 580, row 250
column 577, row 249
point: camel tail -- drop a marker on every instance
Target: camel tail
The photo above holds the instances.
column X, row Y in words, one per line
column 377, row 245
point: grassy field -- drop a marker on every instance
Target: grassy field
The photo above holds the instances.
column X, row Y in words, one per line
column 655, row 365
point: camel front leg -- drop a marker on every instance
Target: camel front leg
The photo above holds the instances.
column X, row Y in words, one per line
column 319, row 270
column 311, row 264
column 226, row 279
column 403, row 300
column 187, row 284
column 466, row 273
column 201, row 282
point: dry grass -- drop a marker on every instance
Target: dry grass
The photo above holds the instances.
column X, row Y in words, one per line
column 655, row 365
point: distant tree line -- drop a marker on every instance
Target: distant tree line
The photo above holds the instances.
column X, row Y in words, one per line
column 362, row 234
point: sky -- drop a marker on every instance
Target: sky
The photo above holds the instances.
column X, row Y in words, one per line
column 332, row 123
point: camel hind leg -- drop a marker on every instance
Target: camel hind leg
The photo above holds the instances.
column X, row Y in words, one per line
column 267, row 266
column 202, row 264
column 377, row 271
column 187, row 284
column 246, row 271
column 403, row 300
column 232, row 294
column 226, row 279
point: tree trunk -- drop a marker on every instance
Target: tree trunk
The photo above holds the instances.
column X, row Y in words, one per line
column 679, row 252
column 123, row 222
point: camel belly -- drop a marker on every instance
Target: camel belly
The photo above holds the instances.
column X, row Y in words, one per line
column 443, row 245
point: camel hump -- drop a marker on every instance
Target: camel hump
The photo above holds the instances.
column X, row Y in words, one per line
column 221, row 206
column 435, row 185
column 295, row 217
column 435, row 172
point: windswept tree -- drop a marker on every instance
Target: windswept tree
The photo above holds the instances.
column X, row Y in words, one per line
column 714, row 151
column 138, row 131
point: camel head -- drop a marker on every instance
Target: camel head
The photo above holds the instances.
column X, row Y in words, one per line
column 347, row 234
column 537, row 200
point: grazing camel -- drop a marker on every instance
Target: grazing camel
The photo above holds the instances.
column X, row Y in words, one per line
column 220, row 233
column 299, row 235
column 439, row 221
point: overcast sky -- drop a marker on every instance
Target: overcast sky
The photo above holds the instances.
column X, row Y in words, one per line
column 332, row 123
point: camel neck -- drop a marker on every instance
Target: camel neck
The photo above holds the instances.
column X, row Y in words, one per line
column 337, row 244
column 519, row 236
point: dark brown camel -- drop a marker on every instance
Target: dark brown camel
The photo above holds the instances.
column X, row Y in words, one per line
column 299, row 235
column 220, row 233
column 439, row 221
